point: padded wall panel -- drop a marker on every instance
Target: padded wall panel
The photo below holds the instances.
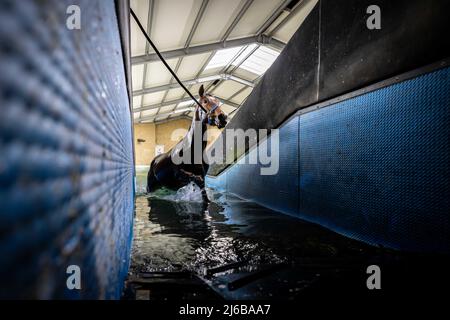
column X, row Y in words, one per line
column 374, row 167
column 352, row 56
column 218, row 183
column 66, row 169
column 333, row 53
column 279, row 191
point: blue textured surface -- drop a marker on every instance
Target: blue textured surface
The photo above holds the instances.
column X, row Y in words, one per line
column 66, row 170
column 246, row 180
column 374, row 167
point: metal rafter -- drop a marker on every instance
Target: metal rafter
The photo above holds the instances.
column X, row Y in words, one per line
column 176, row 85
column 224, row 69
column 200, row 72
column 199, row 49
column 236, row 20
column 177, row 101
column 222, row 76
column 274, row 16
column 227, row 32
column 261, row 30
column 236, row 66
column 260, row 39
column 237, row 93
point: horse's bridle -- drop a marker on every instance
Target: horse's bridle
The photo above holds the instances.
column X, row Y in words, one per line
column 211, row 118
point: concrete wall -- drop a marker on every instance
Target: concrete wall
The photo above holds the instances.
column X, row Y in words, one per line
column 144, row 151
column 156, row 134
column 168, row 134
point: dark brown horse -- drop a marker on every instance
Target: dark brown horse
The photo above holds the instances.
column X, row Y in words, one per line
column 166, row 172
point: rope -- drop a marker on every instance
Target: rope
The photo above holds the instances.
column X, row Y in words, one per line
column 164, row 61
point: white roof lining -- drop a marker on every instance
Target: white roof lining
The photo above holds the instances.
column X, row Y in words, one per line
column 172, row 22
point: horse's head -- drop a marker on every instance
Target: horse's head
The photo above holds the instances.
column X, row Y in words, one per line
column 215, row 115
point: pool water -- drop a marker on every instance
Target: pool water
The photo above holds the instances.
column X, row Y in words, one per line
column 172, row 235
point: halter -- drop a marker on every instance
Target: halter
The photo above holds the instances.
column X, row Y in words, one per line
column 210, row 118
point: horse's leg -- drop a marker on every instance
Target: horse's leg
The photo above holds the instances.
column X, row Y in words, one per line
column 152, row 182
column 205, row 168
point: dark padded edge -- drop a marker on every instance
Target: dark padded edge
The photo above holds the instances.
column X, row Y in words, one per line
column 333, row 53
column 385, row 83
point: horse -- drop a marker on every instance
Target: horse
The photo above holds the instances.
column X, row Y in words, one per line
column 165, row 172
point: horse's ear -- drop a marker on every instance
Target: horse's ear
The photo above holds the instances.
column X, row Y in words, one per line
column 201, row 91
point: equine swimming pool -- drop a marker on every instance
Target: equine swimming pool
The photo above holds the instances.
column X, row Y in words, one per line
column 289, row 256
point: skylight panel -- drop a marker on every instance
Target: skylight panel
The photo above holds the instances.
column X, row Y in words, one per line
column 223, row 57
column 260, row 61
column 257, row 63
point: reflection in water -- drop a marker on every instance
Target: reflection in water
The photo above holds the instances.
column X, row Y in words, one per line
column 177, row 235
column 174, row 235
column 171, row 235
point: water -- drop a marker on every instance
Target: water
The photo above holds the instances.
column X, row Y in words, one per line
column 175, row 231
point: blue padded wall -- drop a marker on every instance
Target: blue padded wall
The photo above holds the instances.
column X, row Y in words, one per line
column 66, row 169
column 374, row 167
column 248, row 182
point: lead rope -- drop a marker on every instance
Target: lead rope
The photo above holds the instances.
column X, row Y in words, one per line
column 164, row 61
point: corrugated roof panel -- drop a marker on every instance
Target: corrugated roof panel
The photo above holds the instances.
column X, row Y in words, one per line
column 167, row 109
column 174, row 94
column 148, row 113
column 173, row 20
column 255, row 17
column 227, row 108
column 194, row 89
column 242, row 96
column 244, row 74
column 138, row 73
column 287, row 31
column 277, row 21
column 191, row 65
column 138, row 42
column 218, row 16
column 161, row 118
column 227, row 88
column 152, row 98
column 137, row 101
column 157, row 73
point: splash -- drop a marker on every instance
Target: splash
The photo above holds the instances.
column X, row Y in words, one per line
column 188, row 193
